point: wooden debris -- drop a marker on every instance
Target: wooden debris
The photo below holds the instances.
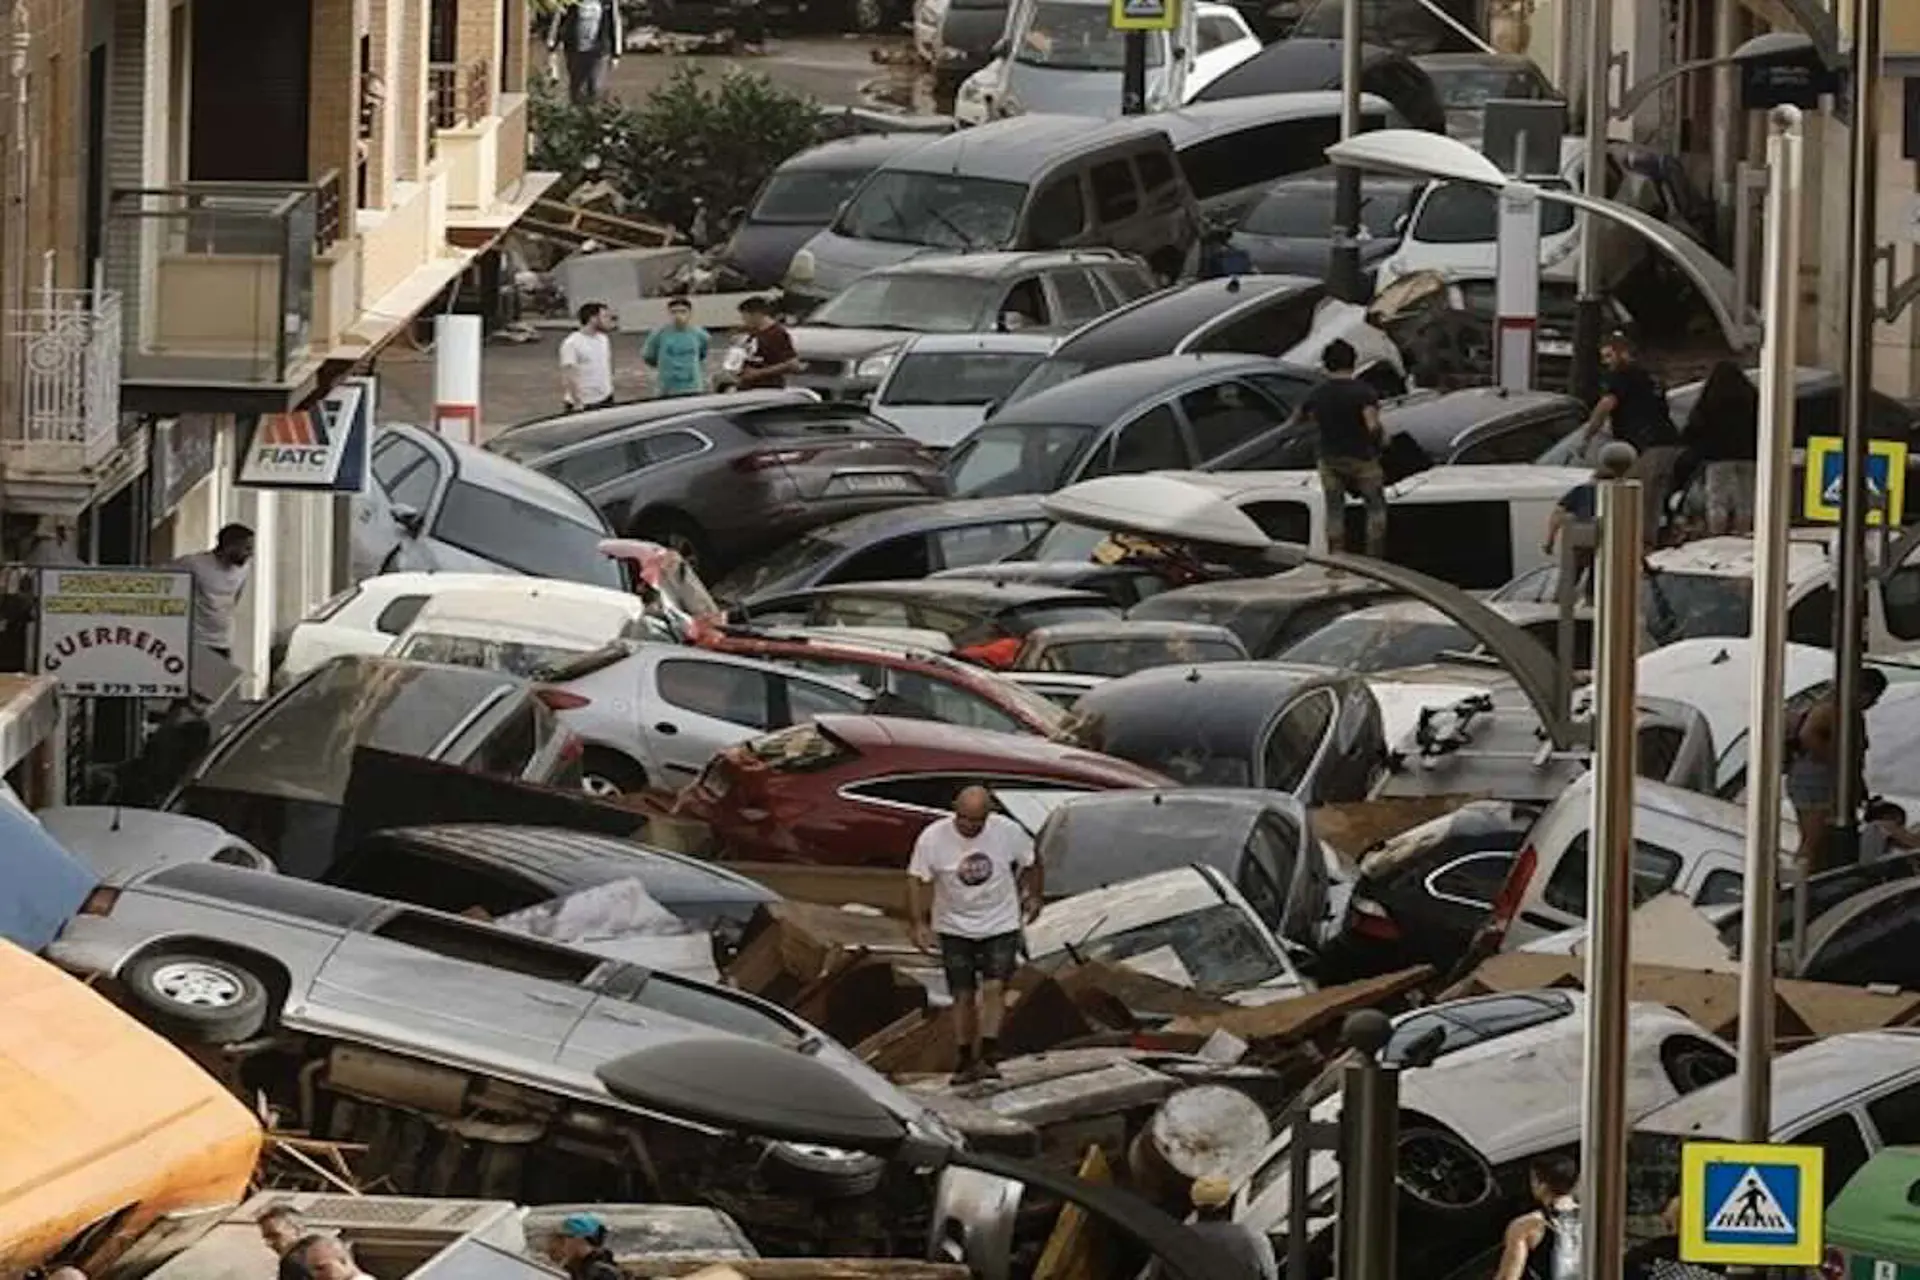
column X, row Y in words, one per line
column 575, row 225
column 1078, row 1248
column 1271, row 1027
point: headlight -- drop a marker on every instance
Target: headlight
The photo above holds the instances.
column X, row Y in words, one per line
column 874, row 368
column 800, row 270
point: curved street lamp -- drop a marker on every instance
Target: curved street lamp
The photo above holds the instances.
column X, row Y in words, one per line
column 745, row 1086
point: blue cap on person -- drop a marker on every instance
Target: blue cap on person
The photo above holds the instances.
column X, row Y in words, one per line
column 583, row 1226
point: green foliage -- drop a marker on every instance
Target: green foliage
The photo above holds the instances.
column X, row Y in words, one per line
column 690, row 139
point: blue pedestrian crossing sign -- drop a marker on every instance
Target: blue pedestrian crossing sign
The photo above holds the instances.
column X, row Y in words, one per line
column 1751, row 1204
column 1886, row 480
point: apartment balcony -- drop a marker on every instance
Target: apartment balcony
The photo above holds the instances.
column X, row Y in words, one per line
column 217, row 282
column 60, row 371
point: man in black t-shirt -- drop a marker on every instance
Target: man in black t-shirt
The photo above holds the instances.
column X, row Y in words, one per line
column 1346, row 413
column 1632, row 408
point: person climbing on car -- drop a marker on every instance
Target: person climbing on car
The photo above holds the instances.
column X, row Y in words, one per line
column 1632, row 408
column 1813, row 768
column 1544, row 1244
column 579, row 1247
column 1346, row 414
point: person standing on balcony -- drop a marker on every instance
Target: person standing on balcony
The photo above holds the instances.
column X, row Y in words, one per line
column 589, row 31
column 586, row 360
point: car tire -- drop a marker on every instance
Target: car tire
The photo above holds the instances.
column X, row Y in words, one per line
column 1441, row 1173
column 825, row 1173
column 198, row 997
column 866, row 16
column 608, row 775
column 676, row 533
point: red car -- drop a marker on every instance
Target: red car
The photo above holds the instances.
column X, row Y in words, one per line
column 856, row 791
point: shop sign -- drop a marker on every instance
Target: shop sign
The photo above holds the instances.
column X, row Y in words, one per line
column 114, row 633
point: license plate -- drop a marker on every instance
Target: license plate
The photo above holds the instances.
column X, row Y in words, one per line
column 883, row 482
column 1555, row 349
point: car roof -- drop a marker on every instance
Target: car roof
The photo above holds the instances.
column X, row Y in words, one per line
column 115, row 842
column 930, row 515
column 1128, row 629
column 1156, row 324
column 1282, row 588
column 1198, row 121
column 1100, row 398
column 1437, row 418
column 880, row 733
column 1469, row 61
column 1806, row 1082
column 983, row 343
column 1662, row 798
column 502, row 475
column 1808, row 558
column 968, row 592
column 861, row 151
column 1502, row 480
column 1213, row 704
column 992, row 264
column 1020, row 148
column 538, row 436
column 580, row 859
column 1223, row 813
column 543, row 615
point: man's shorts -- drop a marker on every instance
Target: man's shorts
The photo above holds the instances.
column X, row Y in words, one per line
column 971, row 961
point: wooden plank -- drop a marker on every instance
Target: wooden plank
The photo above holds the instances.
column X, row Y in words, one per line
column 1077, row 1249
column 1268, row 1026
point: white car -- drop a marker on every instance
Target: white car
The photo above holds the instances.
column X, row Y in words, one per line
column 654, row 714
column 940, row 386
column 524, row 632
column 1064, row 57
column 1222, row 41
column 1505, row 1087
column 1188, row 926
column 367, row 618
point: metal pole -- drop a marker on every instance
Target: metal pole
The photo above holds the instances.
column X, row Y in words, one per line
column 1589, row 311
column 1780, row 303
column 1727, row 120
column 1343, row 268
column 1370, row 1132
column 1133, row 75
column 1863, row 173
column 1603, row 1121
column 1516, row 286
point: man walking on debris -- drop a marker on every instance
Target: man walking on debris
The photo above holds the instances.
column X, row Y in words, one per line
column 1346, row 413
column 1634, row 409
column 972, row 882
column 580, row 1248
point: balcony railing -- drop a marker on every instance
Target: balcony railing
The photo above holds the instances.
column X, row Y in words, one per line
column 61, row 371
column 216, row 280
column 461, row 93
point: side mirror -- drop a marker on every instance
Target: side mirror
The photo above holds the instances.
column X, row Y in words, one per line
column 409, row 520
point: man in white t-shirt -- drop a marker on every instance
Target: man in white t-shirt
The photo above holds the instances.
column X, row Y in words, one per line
column 586, row 359
column 972, row 883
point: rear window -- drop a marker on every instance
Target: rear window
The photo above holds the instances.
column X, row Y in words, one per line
column 1032, row 617
column 301, row 748
column 1116, row 658
column 525, row 537
column 798, row 422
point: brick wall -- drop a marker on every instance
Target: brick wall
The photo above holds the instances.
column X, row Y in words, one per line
column 42, row 203
column 333, row 104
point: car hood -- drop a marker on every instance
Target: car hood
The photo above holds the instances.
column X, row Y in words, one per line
column 1055, row 91
column 762, row 251
column 840, row 260
column 824, row 342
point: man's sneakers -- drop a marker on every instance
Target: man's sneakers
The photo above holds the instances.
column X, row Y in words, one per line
column 976, row 1070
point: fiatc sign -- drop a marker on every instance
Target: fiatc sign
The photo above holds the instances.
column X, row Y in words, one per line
column 115, row 633
column 321, row 447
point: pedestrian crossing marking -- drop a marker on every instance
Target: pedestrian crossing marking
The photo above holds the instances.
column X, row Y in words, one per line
column 1751, row 1207
column 1886, row 477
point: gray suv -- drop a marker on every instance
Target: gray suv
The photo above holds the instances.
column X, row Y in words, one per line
column 848, row 343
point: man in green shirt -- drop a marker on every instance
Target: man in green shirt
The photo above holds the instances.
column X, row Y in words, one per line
column 678, row 353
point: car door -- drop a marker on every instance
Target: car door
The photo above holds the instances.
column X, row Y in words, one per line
column 454, row 987
column 1563, row 898
column 694, row 704
column 1226, row 415
column 1294, row 870
column 1076, row 298
column 1153, row 441
column 406, row 477
column 1026, row 304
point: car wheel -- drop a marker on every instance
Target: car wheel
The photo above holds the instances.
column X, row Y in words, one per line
column 826, row 1172
column 675, row 534
column 866, row 16
column 199, row 997
column 1441, row 1172
column 608, row 775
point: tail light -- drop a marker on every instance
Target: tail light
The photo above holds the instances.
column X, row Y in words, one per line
column 561, row 699
column 768, row 459
column 100, row 902
column 1507, row 902
column 1369, row 919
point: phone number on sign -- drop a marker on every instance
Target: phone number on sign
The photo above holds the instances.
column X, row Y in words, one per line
column 102, row 689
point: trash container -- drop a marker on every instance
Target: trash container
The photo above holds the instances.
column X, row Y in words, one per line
column 1873, row 1225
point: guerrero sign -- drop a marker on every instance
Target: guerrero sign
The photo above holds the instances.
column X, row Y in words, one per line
column 116, row 633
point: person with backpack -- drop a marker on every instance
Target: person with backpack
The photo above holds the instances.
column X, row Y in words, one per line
column 1544, row 1243
column 1813, row 767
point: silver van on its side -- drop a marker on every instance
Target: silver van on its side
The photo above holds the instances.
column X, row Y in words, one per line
column 1032, row 182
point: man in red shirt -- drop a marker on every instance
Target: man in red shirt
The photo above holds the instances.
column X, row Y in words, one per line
column 770, row 355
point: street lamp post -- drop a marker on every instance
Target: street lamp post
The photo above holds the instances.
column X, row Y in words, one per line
column 746, row 1086
column 1344, row 278
column 1589, row 310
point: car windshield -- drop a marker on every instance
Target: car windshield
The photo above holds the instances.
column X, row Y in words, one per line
column 1683, row 606
column 807, row 197
column 1124, row 657
column 942, row 210
column 1066, row 541
column 1356, row 643
column 1455, row 213
column 520, row 535
column 302, row 747
column 1216, row 949
column 998, row 460
column 1050, row 372
column 517, row 657
column 1468, row 88
column 956, row 377
column 1304, row 210
column 792, row 560
column 1065, row 36
column 915, row 302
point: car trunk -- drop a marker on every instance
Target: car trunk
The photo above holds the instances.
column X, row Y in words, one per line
column 877, row 466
